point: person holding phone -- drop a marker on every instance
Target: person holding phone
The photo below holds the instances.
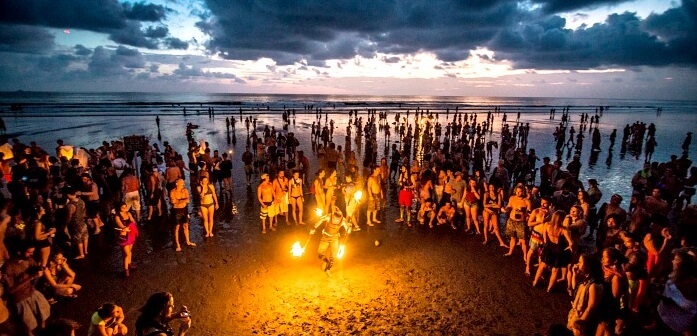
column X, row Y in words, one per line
column 156, row 315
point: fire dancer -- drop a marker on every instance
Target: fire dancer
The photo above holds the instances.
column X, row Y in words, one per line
column 329, row 244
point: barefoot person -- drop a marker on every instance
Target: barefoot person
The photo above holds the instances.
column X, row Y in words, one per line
column 209, row 203
column 75, row 222
column 296, row 197
column 128, row 232
column 179, row 197
column 374, row 196
column 329, row 243
column 515, row 226
column 536, row 220
column 493, row 200
column 280, row 190
column 265, row 196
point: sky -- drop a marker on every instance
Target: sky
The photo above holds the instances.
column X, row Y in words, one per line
column 643, row 49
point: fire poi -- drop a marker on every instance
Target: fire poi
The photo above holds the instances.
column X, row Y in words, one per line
column 329, row 246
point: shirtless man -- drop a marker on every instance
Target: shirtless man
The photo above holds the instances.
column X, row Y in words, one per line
column 265, row 195
column 280, row 191
column 179, row 197
column 374, row 197
column 517, row 209
column 537, row 217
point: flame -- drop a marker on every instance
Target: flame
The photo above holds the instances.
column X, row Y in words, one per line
column 358, row 195
column 297, row 250
column 340, row 253
column 319, row 212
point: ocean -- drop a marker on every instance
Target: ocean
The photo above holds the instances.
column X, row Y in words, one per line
column 87, row 119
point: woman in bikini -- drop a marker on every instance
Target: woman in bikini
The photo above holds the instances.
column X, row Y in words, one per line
column 296, row 198
column 470, row 202
column 209, row 203
column 493, row 201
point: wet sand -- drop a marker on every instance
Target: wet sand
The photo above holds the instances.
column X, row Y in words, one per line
column 241, row 282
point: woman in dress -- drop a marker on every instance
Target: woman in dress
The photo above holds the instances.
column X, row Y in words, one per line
column 556, row 252
column 209, row 203
column 128, row 232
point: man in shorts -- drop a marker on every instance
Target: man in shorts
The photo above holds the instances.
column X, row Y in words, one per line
column 130, row 190
column 265, row 195
column 535, row 224
column 515, row 226
column 179, row 197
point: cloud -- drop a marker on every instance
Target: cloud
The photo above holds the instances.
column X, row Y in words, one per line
column 81, row 50
column 622, row 40
column 25, row 39
column 175, row 43
column 156, row 32
column 93, row 15
column 122, row 22
column 141, row 11
column 192, row 72
column 322, row 30
column 558, row 6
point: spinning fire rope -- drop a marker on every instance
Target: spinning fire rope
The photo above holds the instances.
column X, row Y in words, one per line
column 331, row 237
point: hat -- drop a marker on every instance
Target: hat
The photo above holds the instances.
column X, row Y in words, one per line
column 617, row 196
column 459, row 173
column 264, row 176
column 593, row 181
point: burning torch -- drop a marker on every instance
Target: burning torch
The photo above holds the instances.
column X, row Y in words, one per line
column 298, row 250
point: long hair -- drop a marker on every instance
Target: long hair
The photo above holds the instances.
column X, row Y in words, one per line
column 687, row 267
column 557, row 218
column 155, row 305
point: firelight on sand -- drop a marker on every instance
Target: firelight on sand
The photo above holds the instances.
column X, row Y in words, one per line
column 297, row 250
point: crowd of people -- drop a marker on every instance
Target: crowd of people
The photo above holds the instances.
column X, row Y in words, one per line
column 628, row 269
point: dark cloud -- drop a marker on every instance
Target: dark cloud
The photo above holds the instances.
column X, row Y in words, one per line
column 156, row 32
column 81, row 50
column 122, row 22
column 322, row 30
column 175, row 43
column 532, row 36
column 93, row 15
column 25, row 39
column 559, row 6
column 134, row 36
column 622, row 40
column 141, row 11
column 55, row 63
